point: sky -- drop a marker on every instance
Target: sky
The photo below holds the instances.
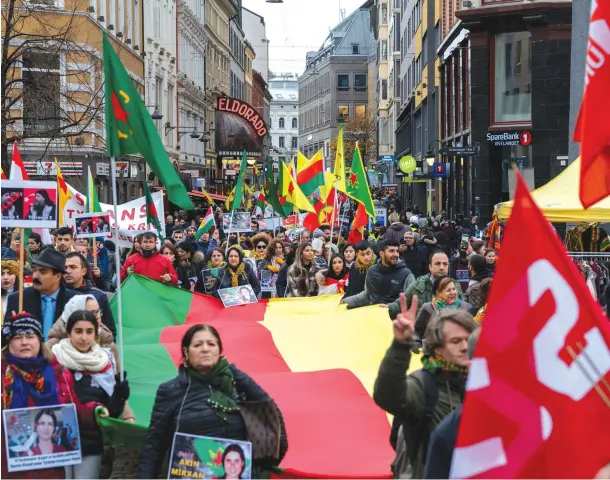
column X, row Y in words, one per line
column 296, row 27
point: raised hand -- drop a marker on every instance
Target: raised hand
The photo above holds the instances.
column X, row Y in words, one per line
column 404, row 325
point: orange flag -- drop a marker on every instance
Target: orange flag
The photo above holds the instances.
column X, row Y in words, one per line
column 63, row 194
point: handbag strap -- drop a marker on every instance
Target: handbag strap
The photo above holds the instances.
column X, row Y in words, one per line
column 182, row 403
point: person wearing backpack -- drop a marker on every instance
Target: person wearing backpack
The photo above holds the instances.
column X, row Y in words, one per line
column 420, row 400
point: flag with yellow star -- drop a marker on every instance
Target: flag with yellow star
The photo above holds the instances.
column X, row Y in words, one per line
column 357, row 185
column 131, row 130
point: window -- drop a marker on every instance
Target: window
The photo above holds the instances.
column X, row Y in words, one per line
column 361, row 110
column 384, row 50
column 360, row 82
column 355, row 49
column 41, row 92
column 294, row 142
column 343, row 83
column 294, row 121
column 282, row 142
column 513, row 78
column 343, row 111
column 281, row 123
column 384, row 14
column 384, row 89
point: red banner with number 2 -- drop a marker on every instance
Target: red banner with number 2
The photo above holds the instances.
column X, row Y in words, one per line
column 537, row 395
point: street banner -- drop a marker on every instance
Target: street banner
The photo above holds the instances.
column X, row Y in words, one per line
column 132, row 215
column 233, row 296
column 41, row 437
column 29, row 203
column 92, row 225
column 193, row 456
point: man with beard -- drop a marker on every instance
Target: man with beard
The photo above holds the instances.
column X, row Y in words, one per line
column 48, row 295
column 64, row 240
column 43, row 207
column 384, row 280
column 76, row 278
column 149, row 262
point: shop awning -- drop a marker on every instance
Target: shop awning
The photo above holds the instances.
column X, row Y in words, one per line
column 559, row 200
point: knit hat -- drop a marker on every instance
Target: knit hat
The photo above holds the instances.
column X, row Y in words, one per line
column 20, row 324
column 11, row 265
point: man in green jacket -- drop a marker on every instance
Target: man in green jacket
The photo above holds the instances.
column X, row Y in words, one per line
column 422, row 287
column 445, row 363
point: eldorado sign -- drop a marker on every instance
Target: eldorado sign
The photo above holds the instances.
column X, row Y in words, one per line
column 132, row 215
column 245, row 111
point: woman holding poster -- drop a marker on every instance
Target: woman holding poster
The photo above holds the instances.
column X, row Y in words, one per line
column 32, row 377
column 94, row 370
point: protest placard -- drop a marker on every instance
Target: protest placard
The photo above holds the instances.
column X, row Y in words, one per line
column 28, row 203
column 236, row 222
column 41, row 437
column 233, row 296
column 91, row 225
column 210, row 279
column 194, row 456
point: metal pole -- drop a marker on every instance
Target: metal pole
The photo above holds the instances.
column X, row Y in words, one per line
column 117, row 265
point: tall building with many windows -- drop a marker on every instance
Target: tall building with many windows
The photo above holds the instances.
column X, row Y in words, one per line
column 284, row 90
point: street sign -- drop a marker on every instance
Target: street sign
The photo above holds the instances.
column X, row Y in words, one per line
column 439, row 170
column 465, row 151
column 407, row 164
column 230, row 172
column 388, row 158
column 520, row 161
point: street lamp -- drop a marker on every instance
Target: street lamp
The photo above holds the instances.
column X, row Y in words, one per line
column 156, row 115
column 430, row 158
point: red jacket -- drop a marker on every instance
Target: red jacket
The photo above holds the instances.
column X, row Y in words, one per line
column 66, row 394
column 154, row 267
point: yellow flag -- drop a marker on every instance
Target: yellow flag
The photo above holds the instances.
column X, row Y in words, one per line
column 63, row 194
column 302, row 160
column 329, row 180
column 207, row 196
column 340, row 164
column 291, row 192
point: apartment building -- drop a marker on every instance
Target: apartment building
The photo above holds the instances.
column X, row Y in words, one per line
column 55, row 110
column 237, row 47
column 284, row 125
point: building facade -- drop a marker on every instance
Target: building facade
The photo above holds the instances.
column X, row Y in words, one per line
column 284, row 122
column 505, row 77
column 248, row 61
column 335, row 83
column 237, row 47
column 256, row 32
column 55, row 109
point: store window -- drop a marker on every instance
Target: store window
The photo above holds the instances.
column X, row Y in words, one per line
column 513, row 78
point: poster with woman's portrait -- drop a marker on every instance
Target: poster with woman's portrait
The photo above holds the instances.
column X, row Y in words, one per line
column 233, row 296
column 29, row 204
column 193, row 456
column 41, row 437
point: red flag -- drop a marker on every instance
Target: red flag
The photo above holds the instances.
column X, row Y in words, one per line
column 361, row 219
column 18, row 171
column 531, row 410
column 2, row 174
column 592, row 127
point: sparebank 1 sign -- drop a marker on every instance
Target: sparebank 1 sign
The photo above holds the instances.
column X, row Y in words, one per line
column 509, row 139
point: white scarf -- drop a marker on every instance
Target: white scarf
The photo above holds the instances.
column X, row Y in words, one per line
column 96, row 360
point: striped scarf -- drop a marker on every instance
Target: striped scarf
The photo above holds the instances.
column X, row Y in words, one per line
column 236, row 273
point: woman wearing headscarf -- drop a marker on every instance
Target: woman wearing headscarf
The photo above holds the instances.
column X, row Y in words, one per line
column 209, row 397
column 333, row 279
column 32, row 377
column 445, row 297
column 95, row 380
column 302, row 273
column 237, row 272
column 10, row 273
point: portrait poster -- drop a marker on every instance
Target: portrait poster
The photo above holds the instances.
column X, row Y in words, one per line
column 41, row 437
column 29, row 204
column 92, row 225
column 233, row 296
column 268, row 280
column 239, row 223
column 193, row 456
column 210, row 278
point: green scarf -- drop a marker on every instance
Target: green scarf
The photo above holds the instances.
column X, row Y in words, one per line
column 361, row 267
column 434, row 363
column 440, row 304
column 222, row 380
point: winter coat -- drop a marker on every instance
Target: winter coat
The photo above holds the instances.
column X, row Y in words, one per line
column 356, row 281
column 181, row 405
column 404, row 397
column 472, row 294
column 102, row 301
column 302, row 280
column 247, row 278
column 426, row 312
column 396, row 232
column 67, row 395
column 281, row 283
column 154, row 267
column 382, row 285
column 441, row 446
column 416, row 260
column 186, row 273
column 422, row 287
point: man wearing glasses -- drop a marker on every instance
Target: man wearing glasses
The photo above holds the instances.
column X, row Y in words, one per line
column 77, row 271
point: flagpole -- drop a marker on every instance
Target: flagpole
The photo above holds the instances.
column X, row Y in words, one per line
column 117, row 264
column 332, row 223
column 21, row 267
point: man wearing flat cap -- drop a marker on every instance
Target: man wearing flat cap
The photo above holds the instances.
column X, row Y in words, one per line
column 48, row 295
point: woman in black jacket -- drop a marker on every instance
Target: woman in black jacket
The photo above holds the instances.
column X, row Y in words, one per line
column 237, row 272
column 206, row 398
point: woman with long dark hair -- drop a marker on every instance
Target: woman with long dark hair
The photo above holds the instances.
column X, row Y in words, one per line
column 302, row 273
column 333, row 279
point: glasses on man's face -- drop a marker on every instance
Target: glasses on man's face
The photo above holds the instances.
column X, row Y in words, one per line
column 260, row 247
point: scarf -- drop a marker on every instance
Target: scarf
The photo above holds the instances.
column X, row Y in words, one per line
column 235, row 273
column 440, row 304
column 480, row 315
column 210, row 266
column 27, row 378
column 436, row 363
column 222, row 380
column 361, row 267
column 96, row 363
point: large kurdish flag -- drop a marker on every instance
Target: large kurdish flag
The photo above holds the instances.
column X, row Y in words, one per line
column 315, row 358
